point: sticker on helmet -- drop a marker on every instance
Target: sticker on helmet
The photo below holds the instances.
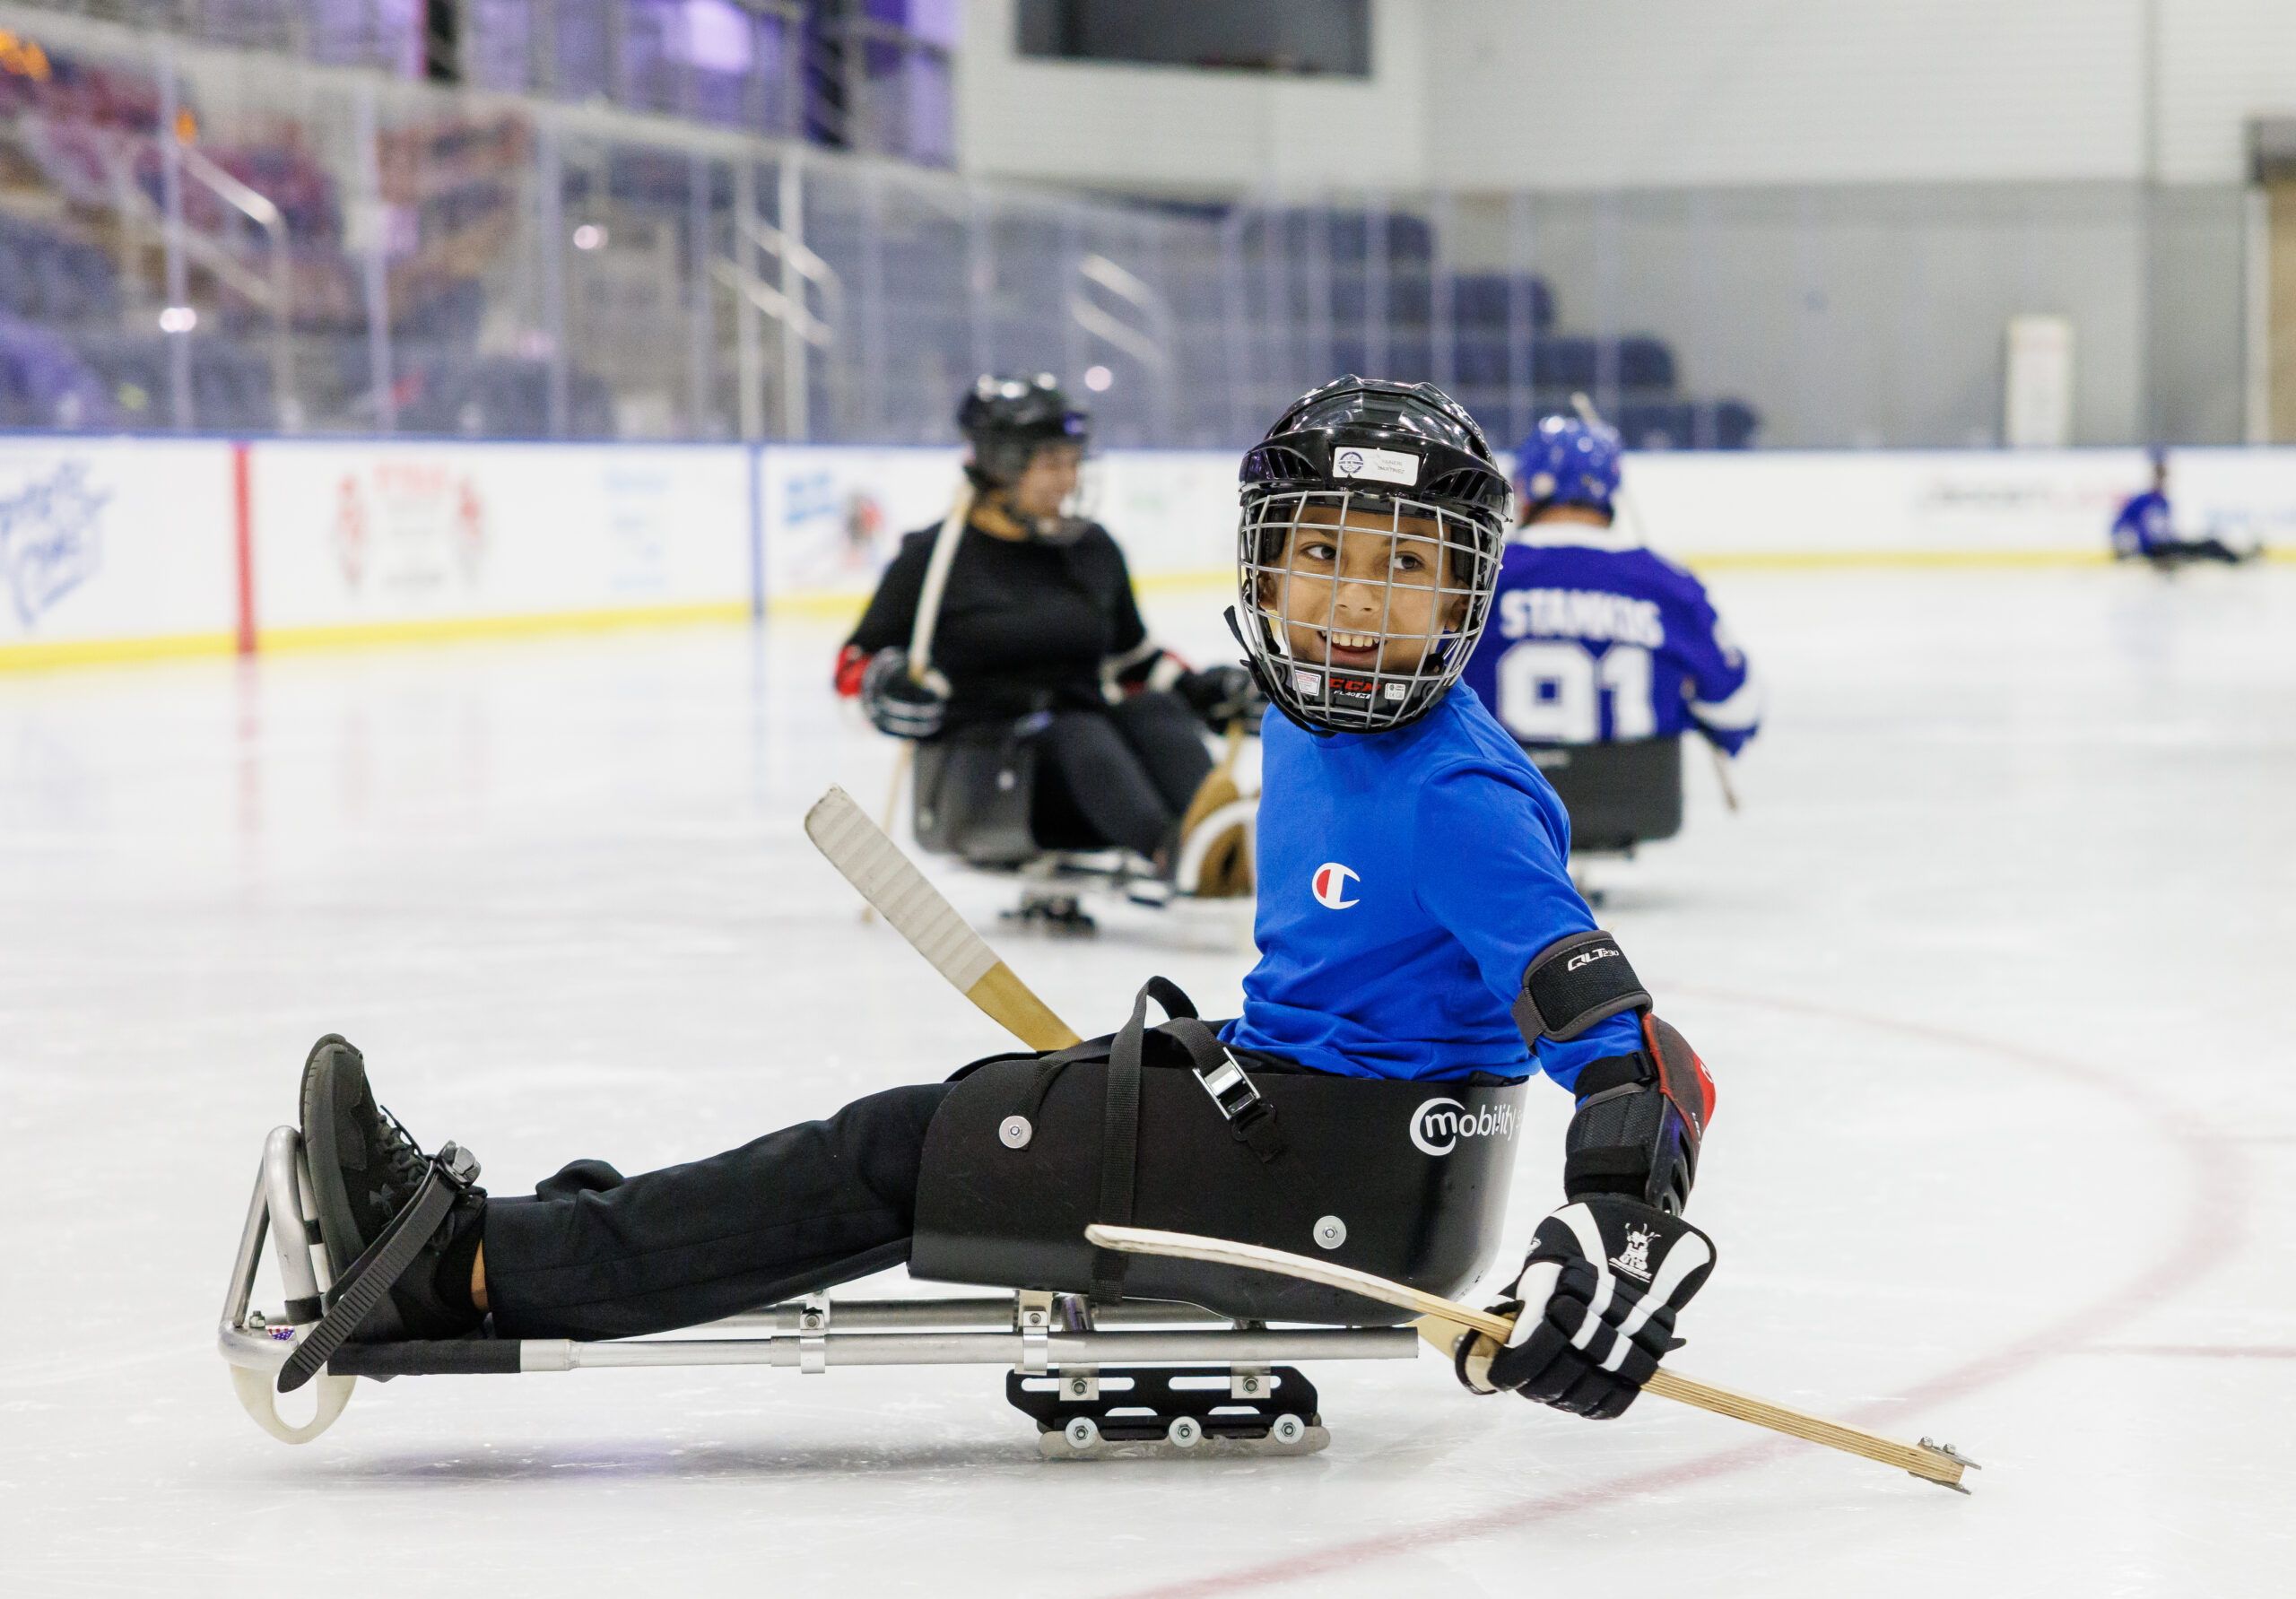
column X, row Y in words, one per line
column 1308, row 682
column 1381, row 466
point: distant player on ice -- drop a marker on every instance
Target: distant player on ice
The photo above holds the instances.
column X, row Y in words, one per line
column 2144, row 530
column 1416, row 921
column 1594, row 637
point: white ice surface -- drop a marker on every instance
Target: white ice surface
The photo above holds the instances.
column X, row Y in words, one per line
column 1993, row 966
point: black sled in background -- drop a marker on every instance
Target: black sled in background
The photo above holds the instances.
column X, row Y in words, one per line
column 983, row 799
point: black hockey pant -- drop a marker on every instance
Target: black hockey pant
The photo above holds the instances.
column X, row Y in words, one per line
column 596, row 1254
column 2176, row 553
column 1129, row 770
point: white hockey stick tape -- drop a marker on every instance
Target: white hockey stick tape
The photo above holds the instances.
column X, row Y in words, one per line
column 890, row 881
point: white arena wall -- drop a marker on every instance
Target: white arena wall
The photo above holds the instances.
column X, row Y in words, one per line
column 118, row 550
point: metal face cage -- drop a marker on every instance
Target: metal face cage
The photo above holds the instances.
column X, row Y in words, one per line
column 1362, row 609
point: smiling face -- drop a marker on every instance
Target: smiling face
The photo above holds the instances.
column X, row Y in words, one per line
column 1051, row 479
column 1368, row 590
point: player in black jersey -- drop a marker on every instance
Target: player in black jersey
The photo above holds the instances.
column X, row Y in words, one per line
column 1035, row 626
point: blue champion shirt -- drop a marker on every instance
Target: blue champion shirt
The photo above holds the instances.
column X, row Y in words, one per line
column 1405, row 881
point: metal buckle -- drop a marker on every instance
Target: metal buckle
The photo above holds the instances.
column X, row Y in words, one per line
column 1230, row 1087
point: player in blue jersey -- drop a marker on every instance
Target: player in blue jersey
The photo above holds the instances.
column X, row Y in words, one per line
column 2144, row 529
column 1594, row 638
column 1416, row 921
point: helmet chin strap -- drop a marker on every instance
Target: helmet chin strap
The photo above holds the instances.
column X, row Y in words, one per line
column 996, row 513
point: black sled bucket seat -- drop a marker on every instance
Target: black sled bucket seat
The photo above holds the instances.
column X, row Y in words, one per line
column 1162, row 1127
column 974, row 792
column 985, row 795
column 1619, row 794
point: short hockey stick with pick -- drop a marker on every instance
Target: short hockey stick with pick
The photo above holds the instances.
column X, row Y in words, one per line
column 1443, row 1322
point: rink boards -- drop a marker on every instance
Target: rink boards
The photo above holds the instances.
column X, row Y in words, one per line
column 118, row 549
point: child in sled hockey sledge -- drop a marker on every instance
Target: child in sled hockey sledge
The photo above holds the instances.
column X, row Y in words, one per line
column 1415, row 918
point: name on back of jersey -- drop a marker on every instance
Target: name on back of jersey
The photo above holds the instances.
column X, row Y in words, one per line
column 1580, row 613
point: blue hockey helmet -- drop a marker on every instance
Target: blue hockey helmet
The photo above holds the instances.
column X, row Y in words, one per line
column 1566, row 462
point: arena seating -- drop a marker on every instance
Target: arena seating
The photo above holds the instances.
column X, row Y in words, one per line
column 1636, row 373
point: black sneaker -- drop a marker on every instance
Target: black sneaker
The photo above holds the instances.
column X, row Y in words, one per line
column 365, row 1168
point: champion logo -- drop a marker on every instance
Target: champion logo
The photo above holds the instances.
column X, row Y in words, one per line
column 1437, row 1124
column 1330, row 885
column 1588, row 957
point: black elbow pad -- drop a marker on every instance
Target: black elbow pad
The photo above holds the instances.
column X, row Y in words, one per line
column 1640, row 1120
column 1574, row 982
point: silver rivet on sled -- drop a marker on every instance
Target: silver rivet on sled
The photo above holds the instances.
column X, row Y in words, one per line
column 1331, row 1232
column 1014, row 1132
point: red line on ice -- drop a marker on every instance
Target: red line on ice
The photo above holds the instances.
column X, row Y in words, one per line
column 2212, row 1228
column 2267, row 1351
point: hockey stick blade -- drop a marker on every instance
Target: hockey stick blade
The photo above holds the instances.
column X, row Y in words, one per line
column 890, row 881
column 1933, row 1462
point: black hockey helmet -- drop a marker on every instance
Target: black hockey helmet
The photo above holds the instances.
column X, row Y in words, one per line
column 1362, row 459
column 1006, row 420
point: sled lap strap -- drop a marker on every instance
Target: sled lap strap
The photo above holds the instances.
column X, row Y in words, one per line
column 1574, row 982
column 1250, row 1118
column 1120, row 1131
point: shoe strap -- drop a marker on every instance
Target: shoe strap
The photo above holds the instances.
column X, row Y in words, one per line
column 385, row 1261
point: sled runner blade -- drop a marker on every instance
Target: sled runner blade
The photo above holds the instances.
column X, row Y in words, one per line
column 1931, row 1462
column 890, row 881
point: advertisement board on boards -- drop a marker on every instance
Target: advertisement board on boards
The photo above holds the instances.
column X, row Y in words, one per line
column 375, row 533
column 116, row 539
column 833, row 517
column 122, row 548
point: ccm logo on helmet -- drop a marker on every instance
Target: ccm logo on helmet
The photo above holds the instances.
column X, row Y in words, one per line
column 1330, row 885
column 1588, row 957
column 1437, row 1125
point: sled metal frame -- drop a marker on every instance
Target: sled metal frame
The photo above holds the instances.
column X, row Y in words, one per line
column 1031, row 1332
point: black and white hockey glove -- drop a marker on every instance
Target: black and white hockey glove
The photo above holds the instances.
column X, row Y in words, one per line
column 1221, row 695
column 1594, row 1308
column 897, row 703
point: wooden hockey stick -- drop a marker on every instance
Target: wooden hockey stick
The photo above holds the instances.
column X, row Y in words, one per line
column 1722, row 776
column 890, row 881
column 920, row 639
column 903, row 759
column 1933, row 1463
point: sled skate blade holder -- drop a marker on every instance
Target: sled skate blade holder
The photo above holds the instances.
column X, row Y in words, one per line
column 1171, row 1412
column 1031, row 1335
column 256, row 1343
